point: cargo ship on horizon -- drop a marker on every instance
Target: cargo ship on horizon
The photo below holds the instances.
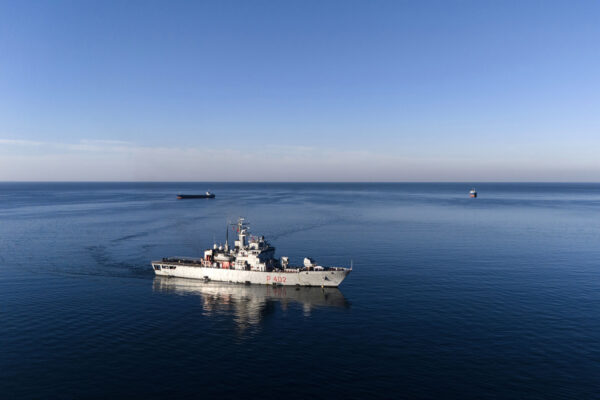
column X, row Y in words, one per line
column 207, row 195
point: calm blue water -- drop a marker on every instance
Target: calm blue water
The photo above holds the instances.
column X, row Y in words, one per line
column 450, row 297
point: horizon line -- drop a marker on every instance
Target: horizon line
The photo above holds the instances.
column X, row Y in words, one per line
column 312, row 182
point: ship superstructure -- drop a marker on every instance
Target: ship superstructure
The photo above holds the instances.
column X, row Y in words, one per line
column 251, row 261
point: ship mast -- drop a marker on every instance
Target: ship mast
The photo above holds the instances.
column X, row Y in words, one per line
column 242, row 233
column 227, row 238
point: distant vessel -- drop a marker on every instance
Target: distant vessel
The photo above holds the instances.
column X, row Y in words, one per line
column 473, row 193
column 207, row 195
column 250, row 262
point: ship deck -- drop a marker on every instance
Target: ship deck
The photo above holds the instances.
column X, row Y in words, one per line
column 200, row 263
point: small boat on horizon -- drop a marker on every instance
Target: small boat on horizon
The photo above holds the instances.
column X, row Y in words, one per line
column 473, row 193
column 207, row 195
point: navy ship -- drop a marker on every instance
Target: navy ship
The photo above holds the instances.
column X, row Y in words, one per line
column 250, row 261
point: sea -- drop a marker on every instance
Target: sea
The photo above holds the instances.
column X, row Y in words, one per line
column 450, row 297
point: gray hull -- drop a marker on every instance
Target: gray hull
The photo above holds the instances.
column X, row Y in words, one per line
column 331, row 278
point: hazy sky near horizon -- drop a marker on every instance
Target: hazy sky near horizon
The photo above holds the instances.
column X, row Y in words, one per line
column 300, row 90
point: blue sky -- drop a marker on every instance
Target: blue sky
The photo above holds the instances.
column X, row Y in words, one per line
column 300, row 90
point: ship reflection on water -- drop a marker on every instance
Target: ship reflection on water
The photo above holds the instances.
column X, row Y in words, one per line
column 251, row 304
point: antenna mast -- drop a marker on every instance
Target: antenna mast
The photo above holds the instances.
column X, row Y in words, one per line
column 227, row 237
